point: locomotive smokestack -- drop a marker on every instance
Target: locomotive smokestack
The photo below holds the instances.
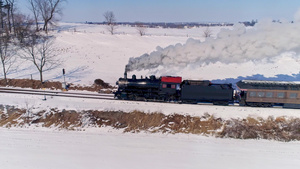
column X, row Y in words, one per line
column 125, row 73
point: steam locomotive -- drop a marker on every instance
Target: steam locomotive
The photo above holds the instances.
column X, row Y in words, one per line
column 248, row 93
column 170, row 88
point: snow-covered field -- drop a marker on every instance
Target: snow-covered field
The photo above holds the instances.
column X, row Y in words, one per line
column 46, row 149
column 90, row 52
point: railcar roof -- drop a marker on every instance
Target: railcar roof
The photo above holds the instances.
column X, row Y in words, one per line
column 272, row 85
column 272, row 82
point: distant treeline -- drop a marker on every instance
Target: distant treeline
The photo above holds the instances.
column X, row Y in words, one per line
column 179, row 25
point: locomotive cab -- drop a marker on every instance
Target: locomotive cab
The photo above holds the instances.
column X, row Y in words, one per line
column 170, row 88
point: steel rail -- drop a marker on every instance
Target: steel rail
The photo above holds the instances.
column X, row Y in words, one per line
column 57, row 93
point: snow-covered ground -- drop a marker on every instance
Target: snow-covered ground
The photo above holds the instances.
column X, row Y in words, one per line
column 46, row 149
column 90, row 52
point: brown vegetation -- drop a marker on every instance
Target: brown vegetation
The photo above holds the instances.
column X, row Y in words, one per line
column 61, row 119
column 34, row 84
column 99, row 85
column 280, row 128
column 11, row 116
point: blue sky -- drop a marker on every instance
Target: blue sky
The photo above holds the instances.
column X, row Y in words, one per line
column 178, row 10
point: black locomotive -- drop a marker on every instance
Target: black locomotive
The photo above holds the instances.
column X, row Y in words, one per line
column 169, row 88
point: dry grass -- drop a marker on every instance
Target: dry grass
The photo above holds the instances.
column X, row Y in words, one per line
column 61, row 119
column 131, row 122
column 36, row 84
column 280, row 128
column 10, row 117
column 137, row 121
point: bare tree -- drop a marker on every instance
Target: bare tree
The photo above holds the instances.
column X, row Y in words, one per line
column 41, row 52
column 110, row 20
column 47, row 10
column 141, row 28
column 34, row 9
column 23, row 27
column 207, row 32
column 7, row 52
column 10, row 10
column 7, row 47
column 3, row 14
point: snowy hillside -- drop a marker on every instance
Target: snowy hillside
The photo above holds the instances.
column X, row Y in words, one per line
column 90, row 52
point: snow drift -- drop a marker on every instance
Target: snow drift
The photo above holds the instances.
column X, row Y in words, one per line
column 265, row 41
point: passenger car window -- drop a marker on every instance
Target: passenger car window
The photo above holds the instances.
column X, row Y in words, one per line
column 252, row 94
column 293, row 95
column 261, row 94
column 269, row 94
column 280, row 95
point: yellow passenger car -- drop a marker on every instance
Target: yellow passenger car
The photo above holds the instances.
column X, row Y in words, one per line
column 269, row 93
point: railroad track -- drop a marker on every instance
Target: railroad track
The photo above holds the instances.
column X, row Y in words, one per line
column 57, row 93
column 82, row 95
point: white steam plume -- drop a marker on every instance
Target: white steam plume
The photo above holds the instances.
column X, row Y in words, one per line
column 265, row 41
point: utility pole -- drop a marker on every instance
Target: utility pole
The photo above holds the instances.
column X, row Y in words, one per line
column 64, row 84
column 64, row 72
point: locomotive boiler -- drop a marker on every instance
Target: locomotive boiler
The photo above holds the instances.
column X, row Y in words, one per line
column 165, row 88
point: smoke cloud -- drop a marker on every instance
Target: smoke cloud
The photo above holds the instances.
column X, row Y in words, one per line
column 264, row 41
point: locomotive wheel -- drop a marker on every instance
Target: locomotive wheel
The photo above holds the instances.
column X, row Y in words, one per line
column 170, row 98
column 242, row 103
column 132, row 97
